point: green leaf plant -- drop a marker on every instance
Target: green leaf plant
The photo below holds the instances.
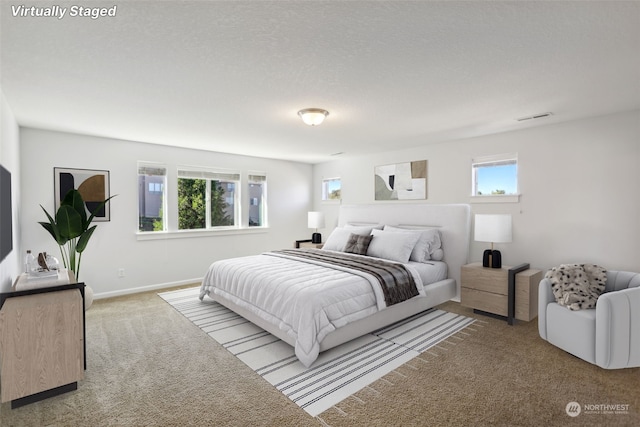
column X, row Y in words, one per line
column 71, row 229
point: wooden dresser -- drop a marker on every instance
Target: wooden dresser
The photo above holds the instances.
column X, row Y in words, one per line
column 486, row 290
column 41, row 342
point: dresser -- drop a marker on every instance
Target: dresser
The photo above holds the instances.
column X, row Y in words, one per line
column 42, row 342
column 486, row 290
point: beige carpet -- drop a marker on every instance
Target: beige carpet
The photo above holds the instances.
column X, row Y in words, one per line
column 147, row 365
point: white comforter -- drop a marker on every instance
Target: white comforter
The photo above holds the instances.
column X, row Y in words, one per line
column 305, row 299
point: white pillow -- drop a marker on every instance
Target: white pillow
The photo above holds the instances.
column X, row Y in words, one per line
column 428, row 244
column 392, row 246
column 370, row 226
column 437, row 255
column 338, row 238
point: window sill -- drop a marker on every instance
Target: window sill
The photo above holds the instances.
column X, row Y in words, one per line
column 511, row 198
column 188, row 234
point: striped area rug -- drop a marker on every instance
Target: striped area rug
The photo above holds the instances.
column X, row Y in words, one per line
column 338, row 372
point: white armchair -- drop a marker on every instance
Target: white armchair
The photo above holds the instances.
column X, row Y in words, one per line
column 608, row 335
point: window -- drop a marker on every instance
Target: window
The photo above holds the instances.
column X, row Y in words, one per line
column 257, row 200
column 152, row 178
column 207, row 198
column 331, row 189
column 495, row 175
column 156, row 187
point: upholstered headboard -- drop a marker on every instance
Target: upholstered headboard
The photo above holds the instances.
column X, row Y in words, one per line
column 453, row 221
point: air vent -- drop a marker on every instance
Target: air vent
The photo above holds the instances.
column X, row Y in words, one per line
column 536, row 116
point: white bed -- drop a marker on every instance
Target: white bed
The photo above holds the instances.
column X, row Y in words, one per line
column 313, row 309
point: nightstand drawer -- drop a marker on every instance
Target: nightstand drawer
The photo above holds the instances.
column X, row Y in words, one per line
column 485, row 279
column 485, row 301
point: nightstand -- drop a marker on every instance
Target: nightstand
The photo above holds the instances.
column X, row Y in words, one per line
column 306, row 244
column 509, row 292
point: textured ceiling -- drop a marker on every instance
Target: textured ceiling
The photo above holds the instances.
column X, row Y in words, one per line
column 231, row 76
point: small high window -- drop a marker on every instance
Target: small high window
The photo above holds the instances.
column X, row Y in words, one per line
column 494, row 175
column 331, row 189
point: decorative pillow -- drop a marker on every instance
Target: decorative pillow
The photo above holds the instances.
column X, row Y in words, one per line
column 428, row 243
column 339, row 236
column 392, row 246
column 357, row 244
column 577, row 286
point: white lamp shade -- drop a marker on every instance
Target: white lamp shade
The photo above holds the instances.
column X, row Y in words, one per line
column 316, row 220
column 493, row 228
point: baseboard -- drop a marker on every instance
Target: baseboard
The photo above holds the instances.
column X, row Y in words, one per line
column 130, row 291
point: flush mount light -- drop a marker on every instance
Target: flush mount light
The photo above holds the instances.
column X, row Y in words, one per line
column 313, row 116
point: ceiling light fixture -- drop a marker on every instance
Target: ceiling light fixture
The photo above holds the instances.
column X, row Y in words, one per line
column 313, row 116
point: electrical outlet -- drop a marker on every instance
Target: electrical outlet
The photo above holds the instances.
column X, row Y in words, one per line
column 121, row 272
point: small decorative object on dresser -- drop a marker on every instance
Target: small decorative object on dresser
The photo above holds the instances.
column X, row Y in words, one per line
column 507, row 292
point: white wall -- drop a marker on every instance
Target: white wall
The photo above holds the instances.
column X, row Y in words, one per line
column 11, row 266
column 151, row 264
column 579, row 182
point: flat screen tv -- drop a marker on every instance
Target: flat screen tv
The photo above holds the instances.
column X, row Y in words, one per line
column 6, row 223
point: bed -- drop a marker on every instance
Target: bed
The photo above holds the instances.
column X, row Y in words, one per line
column 315, row 299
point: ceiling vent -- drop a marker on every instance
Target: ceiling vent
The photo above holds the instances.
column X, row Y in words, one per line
column 536, row 116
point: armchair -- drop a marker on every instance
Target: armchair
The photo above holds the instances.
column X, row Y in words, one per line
column 608, row 335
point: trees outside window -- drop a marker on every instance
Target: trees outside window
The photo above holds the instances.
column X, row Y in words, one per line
column 207, row 199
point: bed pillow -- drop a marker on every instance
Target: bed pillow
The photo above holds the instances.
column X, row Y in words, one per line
column 437, row 255
column 392, row 246
column 428, row 246
column 369, row 226
column 357, row 244
column 337, row 240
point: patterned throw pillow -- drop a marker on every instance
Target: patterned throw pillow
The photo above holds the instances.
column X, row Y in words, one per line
column 357, row 244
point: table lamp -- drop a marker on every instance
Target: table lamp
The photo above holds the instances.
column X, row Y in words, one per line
column 316, row 220
column 494, row 229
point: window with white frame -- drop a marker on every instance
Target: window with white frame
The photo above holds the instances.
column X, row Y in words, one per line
column 331, row 189
column 257, row 184
column 208, row 198
column 495, row 175
column 152, row 179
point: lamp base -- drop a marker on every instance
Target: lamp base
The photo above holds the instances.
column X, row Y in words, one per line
column 492, row 259
column 316, row 238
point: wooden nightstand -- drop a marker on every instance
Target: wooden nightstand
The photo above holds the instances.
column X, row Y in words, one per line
column 306, row 244
column 487, row 290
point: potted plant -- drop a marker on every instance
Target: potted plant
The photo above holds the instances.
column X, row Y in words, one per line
column 71, row 228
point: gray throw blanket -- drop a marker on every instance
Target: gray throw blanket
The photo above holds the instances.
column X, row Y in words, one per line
column 396, row 281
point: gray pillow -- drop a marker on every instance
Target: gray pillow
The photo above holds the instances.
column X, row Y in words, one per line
column 357, row 244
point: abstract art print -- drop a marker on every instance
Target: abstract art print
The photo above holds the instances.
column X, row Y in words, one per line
column 93, row 185
column 401, row 181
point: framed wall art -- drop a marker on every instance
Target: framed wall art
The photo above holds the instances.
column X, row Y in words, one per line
column 93, row 185
column 401, row 181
